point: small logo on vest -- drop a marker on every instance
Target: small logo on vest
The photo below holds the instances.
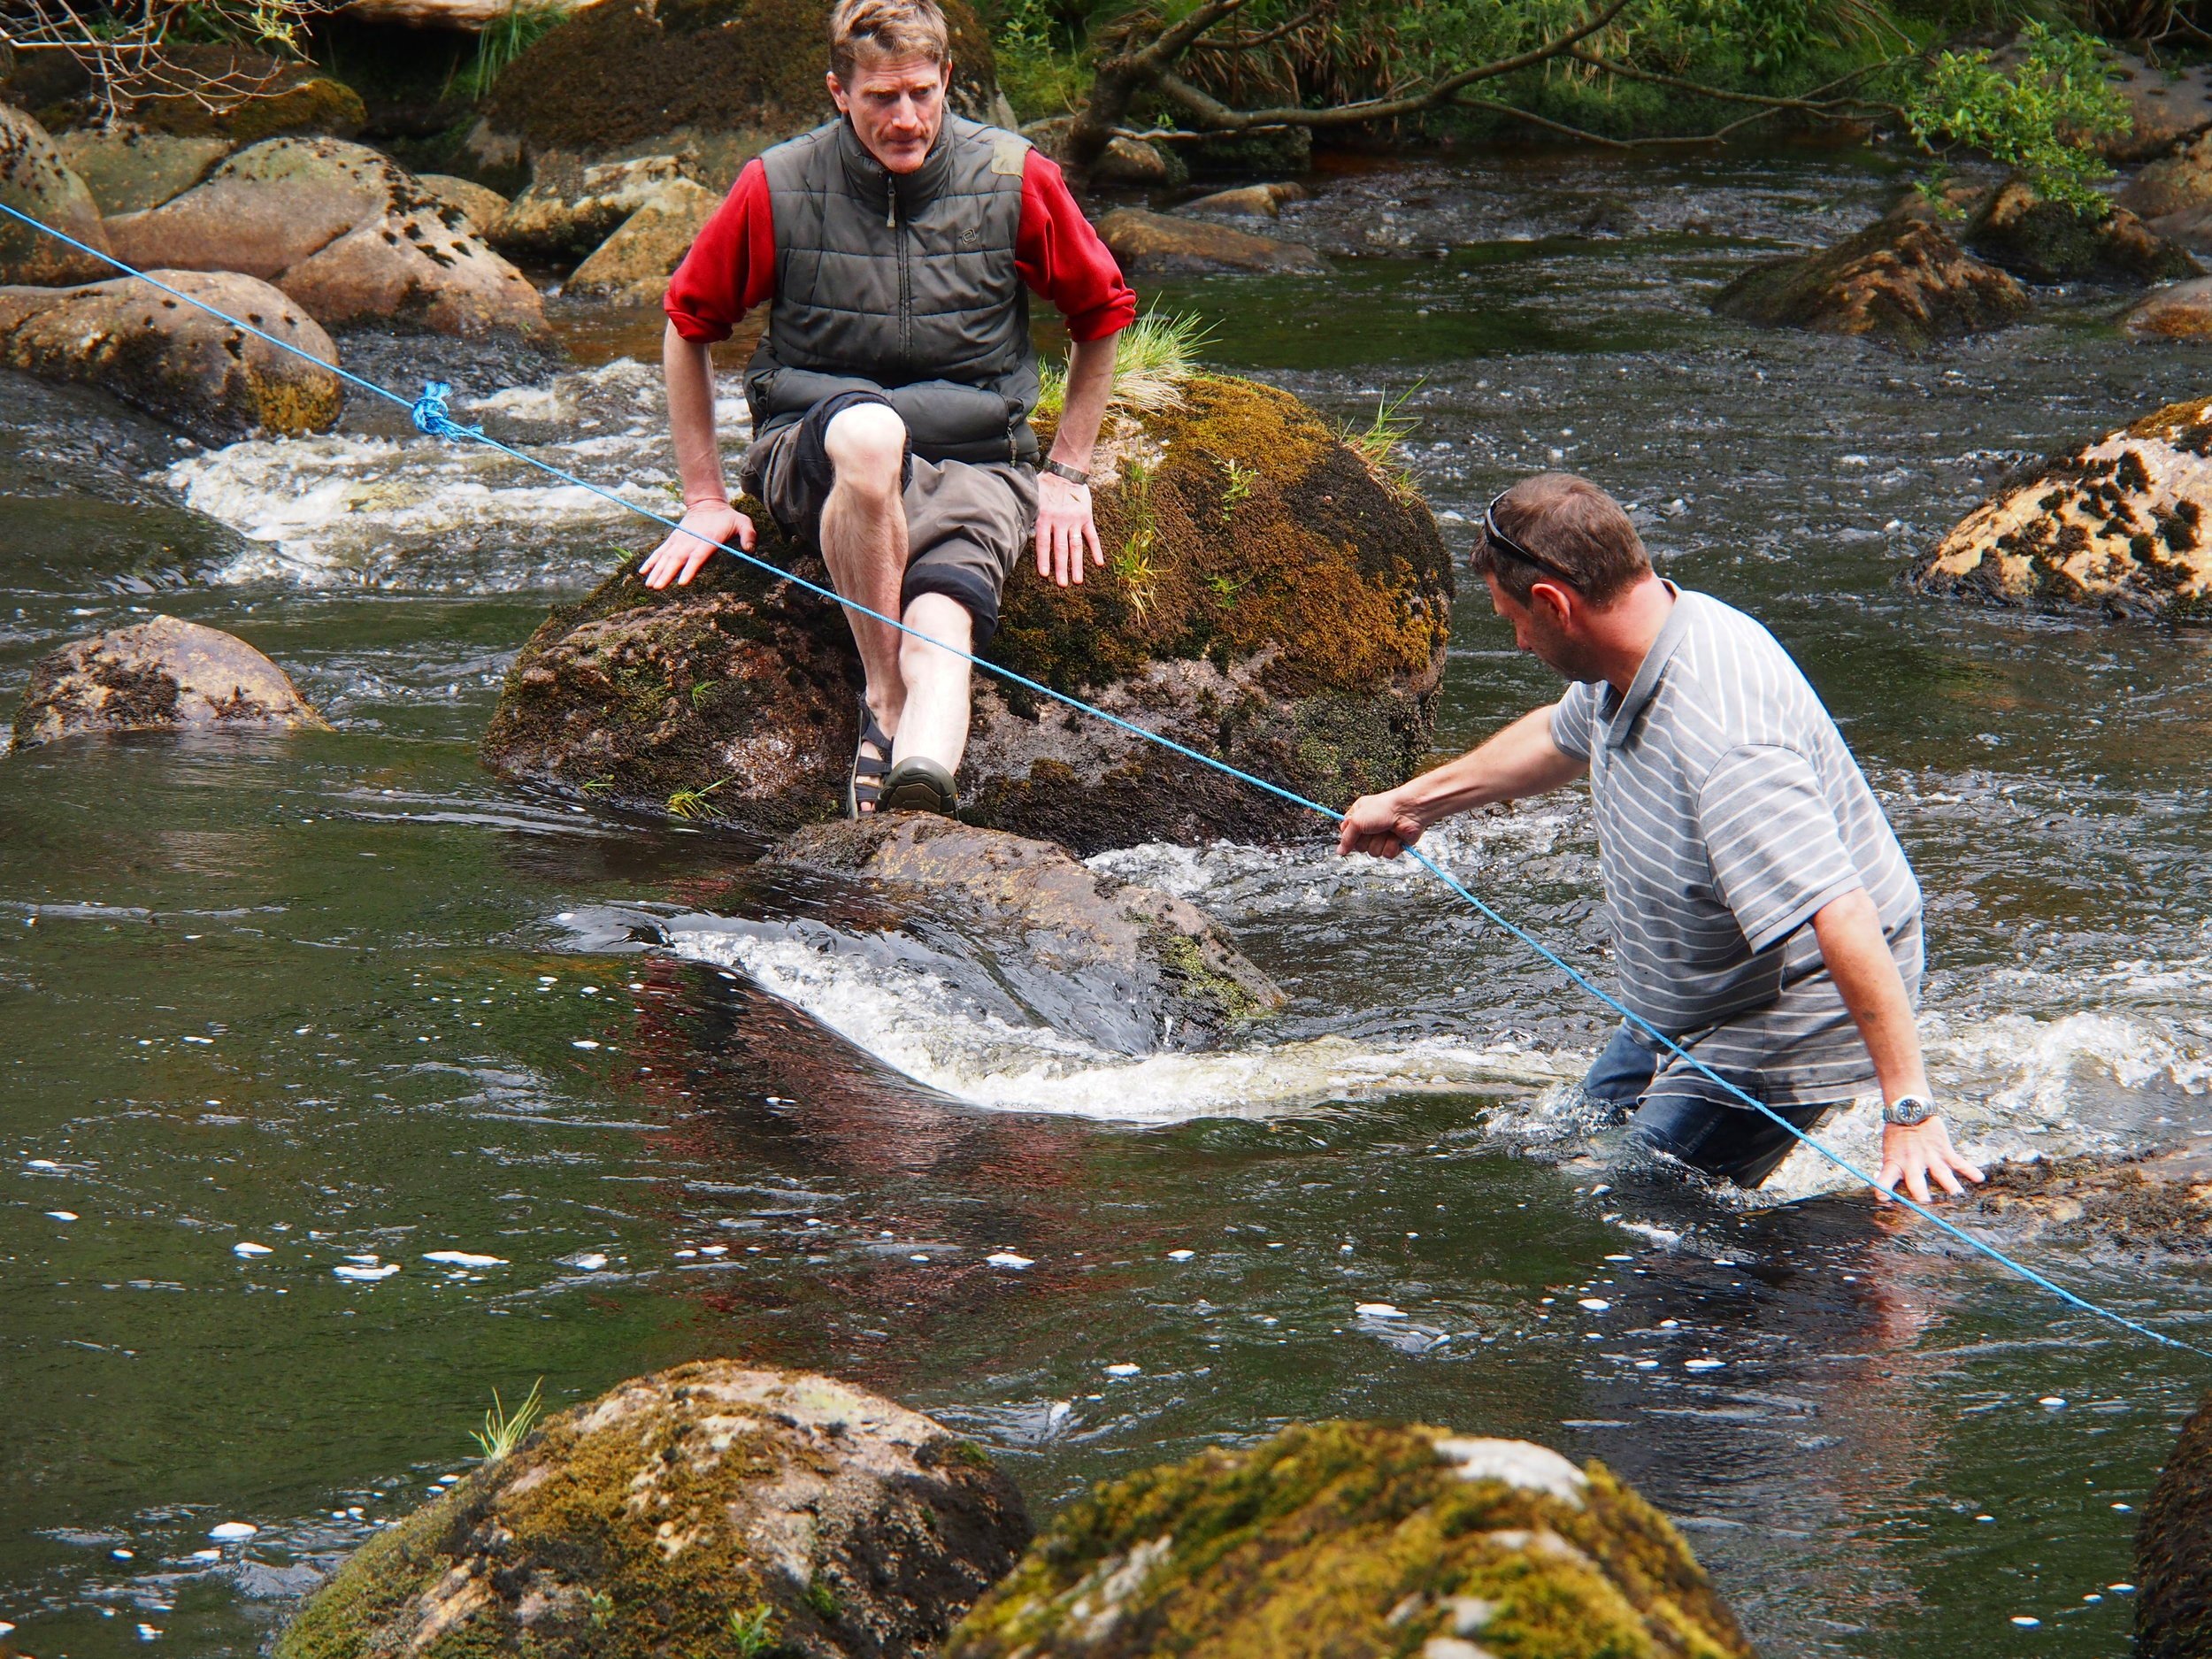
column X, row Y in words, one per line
column 970, row 236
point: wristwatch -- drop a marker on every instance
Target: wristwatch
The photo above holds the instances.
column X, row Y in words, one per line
column 1908, row 1111
column 1061, row 469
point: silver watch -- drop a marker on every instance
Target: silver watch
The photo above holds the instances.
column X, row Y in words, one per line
column 1908, row 1111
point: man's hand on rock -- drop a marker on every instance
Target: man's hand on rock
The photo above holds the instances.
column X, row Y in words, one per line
column 1377, row 825
column 705, row 525
column 1065, row 528
column 1914, row 1153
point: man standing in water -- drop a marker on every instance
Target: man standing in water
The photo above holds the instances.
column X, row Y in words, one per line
column 891, row 395
column 1764, row 915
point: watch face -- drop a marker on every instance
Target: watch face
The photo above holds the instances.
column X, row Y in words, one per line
column 1909, row 1110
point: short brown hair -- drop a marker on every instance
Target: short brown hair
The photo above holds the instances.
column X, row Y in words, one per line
column 1571, row 523
column 893, row 28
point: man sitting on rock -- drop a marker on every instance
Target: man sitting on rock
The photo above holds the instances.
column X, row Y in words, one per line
column 1764, row 915
column 891, row 394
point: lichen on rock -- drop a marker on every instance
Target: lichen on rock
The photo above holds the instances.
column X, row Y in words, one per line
column 165, row 674
column 34, row 180
column 1358, row 1540
column 1272, row 598
column 672, row 1513
column 2118, row 525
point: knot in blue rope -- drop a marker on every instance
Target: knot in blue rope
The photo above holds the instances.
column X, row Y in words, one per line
column 432, row 415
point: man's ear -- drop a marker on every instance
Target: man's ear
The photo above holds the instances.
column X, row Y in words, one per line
column 838, row 94
column 1554, row 600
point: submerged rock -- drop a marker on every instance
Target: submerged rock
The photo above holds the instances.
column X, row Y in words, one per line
column 2162, row 1202
column 2181, row 310
column 712, row 1509
column 1160, row 244
column 2173, row 1550
column 128, row 170
column 164, row 674
column 1901, row 279
column 1253, row 201
column 35, row 179
column 176, row 362
column 2050, row 241
column 1274, row 598
column 633, row 266
column 1129, row 966
column 1357, row 1541
column 346, row 231
column 2118, row 525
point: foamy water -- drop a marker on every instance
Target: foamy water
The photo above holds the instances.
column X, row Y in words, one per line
column 350, row 509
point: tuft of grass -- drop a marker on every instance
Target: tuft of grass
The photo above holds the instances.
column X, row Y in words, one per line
column 1377, row 445
column 754, row 1633
column 1157, row 354
column 518, row 29
column 691, row 803
column 823, row 1600
column 1133, row 564
column 704, row 692
column 502, row 1430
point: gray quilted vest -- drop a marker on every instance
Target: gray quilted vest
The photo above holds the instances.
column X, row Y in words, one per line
column 905, row 284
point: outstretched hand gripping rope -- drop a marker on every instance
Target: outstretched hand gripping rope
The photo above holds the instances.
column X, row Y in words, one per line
column 431, row 414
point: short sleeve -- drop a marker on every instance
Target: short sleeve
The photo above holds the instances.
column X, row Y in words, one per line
column 1777, row 853
column 1573, row 718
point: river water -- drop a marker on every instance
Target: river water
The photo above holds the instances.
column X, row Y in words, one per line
column 344, row 998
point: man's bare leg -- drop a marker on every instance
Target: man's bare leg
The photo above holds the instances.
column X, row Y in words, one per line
column 864, row 542
column 934, row 724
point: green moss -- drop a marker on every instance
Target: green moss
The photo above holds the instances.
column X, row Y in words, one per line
column 1351, row 1539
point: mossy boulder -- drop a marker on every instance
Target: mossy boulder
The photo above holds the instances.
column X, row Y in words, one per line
column 722, row 79
column 1274, row 599
column 676, row 1513
column 2051, row 242
column 1902, row 280
column 35, row 179
column 1130, row 967
column 202, row 375
column 163, row 675
column 1358, row 1540
column 2173, row 1550
column 128, row 170
column 2118, row 525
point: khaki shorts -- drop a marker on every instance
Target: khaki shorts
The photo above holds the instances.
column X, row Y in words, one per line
column 967, row 524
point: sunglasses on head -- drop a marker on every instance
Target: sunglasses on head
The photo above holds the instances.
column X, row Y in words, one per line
column 1498, row 538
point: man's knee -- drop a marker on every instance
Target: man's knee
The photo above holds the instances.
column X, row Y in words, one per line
column 866, row 446
column 946, row 621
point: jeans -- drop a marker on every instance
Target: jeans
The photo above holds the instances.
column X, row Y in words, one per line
column 1733, row 1142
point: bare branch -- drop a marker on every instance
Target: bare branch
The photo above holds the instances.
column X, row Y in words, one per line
column 1268, row 38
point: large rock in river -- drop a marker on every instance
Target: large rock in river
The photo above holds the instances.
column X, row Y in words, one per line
column 344, row 230
column 2160, row 1202
column 200, row 375
column 1163, row 244
column 2051, row 242
column 165, row 674
column 2119, row 525
column 1134, row 968
column 1358, row 1540
column 34, row 180
column 712, row 1509
column 1274, row 599
column 634, row 265
column 1902, row 280
column 128, row 170
column 2173, row 1550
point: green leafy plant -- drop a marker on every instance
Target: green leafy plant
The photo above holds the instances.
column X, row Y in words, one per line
column 823, row 1600
column 2038, row 120
column 755, row 1631
column 502, row 1430
column 691, row 804
column 1225, row 588
column 702, row 694
column 601, row 1609
column 1239, row 488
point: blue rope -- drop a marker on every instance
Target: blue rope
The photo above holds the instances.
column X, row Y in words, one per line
column 431, row 414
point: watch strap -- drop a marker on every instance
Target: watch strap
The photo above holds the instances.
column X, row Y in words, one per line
column 1061, row 469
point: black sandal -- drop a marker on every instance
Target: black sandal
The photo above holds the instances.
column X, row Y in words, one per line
column 864, row 787
column 919, row 784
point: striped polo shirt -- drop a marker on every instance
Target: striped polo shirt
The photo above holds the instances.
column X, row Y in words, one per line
column 1728, row 811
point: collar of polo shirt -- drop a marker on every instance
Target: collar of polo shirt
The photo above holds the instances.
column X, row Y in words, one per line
column 1621, row 710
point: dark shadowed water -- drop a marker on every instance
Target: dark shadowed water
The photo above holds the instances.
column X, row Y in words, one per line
column 344, row 998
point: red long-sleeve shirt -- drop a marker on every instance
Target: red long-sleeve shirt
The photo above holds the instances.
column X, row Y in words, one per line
column 732, row 266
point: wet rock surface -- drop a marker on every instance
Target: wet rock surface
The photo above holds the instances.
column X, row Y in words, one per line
column 1130, row 967
column 571, row 207
column 2048, row 241
column 200, row 375
column 1902, row 280
column 676, row 1513
column 2162, row 1203
column 1162, row 244
column 165, row 674
column 2118, row 525
column 633, row 266
column 35, row 181
column 1357, row 1541
column 2174, row 183
column 2173, row 1551
column 2181, row 310
column 346, row 231
column 1274, row 599
column 1251, row 201
column 128, row 170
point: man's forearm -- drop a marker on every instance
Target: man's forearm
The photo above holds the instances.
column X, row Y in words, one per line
column 1518, row 761
column 688, row 368
column 1858, row 957
column 1090, row 382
